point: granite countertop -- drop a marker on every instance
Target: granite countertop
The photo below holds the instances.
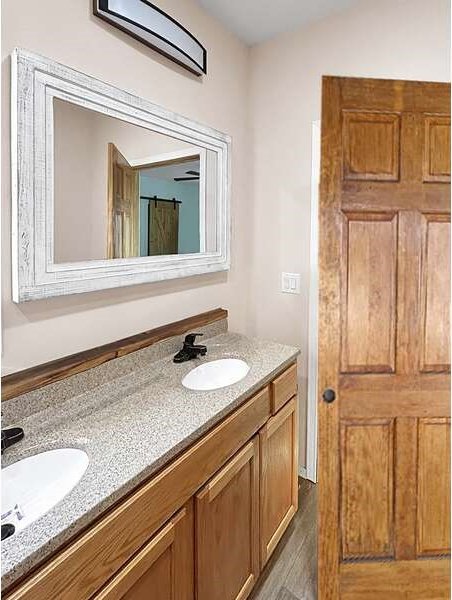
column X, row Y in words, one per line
column 132, row 416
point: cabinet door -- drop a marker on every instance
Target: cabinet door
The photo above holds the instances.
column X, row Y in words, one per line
column 279, row 476
column 227, row 529
column 163, row 569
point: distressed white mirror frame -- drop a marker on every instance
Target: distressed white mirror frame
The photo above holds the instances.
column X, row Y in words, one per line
column 36, row 81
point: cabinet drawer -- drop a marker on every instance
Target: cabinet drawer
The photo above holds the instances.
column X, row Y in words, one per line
column 283, row 388
column 82, row 568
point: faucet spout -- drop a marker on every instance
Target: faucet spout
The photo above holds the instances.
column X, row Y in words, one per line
column 190, row 350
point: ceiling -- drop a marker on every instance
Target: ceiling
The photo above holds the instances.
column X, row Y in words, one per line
column 255, row 21
column 168, row 172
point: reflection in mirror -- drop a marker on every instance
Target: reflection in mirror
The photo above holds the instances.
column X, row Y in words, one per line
column 154, row 207
column 124, row 191
column 169, row 207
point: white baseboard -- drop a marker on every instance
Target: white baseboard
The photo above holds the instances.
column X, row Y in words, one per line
column 302, row 472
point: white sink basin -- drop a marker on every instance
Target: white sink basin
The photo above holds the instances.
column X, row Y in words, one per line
column 216, row 374
column 32, row 486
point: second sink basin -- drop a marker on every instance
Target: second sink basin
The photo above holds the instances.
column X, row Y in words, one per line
column 32, row 486
column 216, row 374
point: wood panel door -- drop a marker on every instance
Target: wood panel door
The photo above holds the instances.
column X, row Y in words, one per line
column 163, row 569
column 227, row 529
column 123, row 206
column 279, row 476
column 384, row 342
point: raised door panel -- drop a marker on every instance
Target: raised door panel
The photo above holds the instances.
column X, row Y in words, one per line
column 367, row 476
column 279, row 476
column 371, row 146
column 163, row 568
column 433, row 514
column 436, row 164
column 369, row 293
column 435, row 320
column 227, row 529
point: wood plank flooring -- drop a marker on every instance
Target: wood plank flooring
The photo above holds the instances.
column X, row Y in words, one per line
column 291, row 573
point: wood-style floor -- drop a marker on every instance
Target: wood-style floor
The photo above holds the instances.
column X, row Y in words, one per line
column 291, row 573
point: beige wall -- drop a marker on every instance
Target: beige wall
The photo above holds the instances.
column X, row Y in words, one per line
column 66, row 31
column 406, row 39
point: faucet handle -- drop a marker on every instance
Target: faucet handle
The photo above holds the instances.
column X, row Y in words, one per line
column 190, row 338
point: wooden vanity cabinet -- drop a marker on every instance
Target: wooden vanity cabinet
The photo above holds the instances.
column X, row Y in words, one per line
column 162, row 569
column 279, row 476
column 227, row 529
column 202, row 528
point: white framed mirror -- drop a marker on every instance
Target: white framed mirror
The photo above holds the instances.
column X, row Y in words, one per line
column 109, row 189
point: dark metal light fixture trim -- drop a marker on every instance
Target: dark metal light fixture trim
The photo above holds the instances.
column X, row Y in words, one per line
column 150, row 25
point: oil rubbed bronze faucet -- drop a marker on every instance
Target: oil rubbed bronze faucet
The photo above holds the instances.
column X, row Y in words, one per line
column 190, row 350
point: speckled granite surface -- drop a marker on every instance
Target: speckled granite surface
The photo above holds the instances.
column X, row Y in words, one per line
column 131, row 415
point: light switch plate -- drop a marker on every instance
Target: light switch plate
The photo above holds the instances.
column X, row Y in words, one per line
column 290, row 283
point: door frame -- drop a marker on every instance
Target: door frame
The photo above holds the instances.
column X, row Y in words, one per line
column 311, row 416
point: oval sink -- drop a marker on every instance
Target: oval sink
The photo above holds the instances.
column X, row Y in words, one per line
column 32, row 486
column 216, row 374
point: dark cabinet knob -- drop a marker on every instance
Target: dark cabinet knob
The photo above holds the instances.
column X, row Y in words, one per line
column 329, row 395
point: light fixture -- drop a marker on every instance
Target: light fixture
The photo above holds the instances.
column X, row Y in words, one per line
column 150, row 25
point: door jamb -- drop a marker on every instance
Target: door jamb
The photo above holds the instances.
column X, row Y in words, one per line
column 311, row 424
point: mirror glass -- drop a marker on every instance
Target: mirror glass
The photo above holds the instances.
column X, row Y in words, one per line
column 125, row 191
